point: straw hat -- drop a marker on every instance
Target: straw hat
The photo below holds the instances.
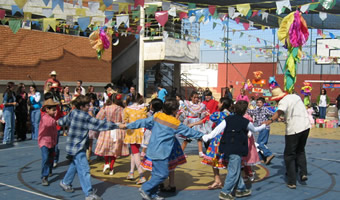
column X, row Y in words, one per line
column 277, row 94
column 53, row 73
column 50, row 102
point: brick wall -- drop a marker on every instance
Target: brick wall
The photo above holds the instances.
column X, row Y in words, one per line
column 37, row 53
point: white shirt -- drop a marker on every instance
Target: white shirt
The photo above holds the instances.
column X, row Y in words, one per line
column 323, row 101
column 220, row 128
column 83, row 92
column 295, row 114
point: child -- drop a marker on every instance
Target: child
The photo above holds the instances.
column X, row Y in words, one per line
column 110, row 143
column 310, row 112
column 234, row 145
column 80, row 122
column 47, row 138
column 164, row 126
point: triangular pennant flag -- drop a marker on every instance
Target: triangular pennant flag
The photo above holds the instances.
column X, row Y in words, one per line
column 123, row 19
column 304, row 8
column 107, row 3
column 93, row 6
column 16, row 9
column 313, row 6
column 14, row 25
column 166, row 6
column 84, row 22
column 2, row 14
column 323, row 15
column 47, row 1
column 251, row 24
column 123, row 7
column 49, row 22
column 172, row 11
column 281, row 4
column 162, row 17
column 47, row 12
column 243, row 8
column 58, row 2
column 265, row 16
column 265, row 43
column 235, row 15
column 255, row 12
column 212, row 9
column 258, row 40
column 139, row 28
column 215, row 15
column 27, row 16
column 328, row 4
column 191, row 6
column 69, row 20
column 231, row 11
column 246, row 26
column 139, row 3
column 109, row 14
column 20, row 3
column 80, row 11
column 237, row 20
column 241, row 34
column 319, row 31
column 183, row 15
column 332, row 35
column 214, row 25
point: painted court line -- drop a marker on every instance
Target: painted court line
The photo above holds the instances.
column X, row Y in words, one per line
column 15, row 148
column 35, row 193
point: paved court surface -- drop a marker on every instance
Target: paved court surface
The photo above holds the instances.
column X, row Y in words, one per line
column 20, row 167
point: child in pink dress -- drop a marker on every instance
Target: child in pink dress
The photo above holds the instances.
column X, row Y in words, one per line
column 310, row 115
column 253, row 157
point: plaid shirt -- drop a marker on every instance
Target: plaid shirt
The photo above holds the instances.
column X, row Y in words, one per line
column 80, row 123
column 260, row 115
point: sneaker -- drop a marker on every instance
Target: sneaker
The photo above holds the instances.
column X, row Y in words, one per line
column 201, row 154
column 304, row 178
column 44, row 181
column 225, row 196
column 141, row 180
column 158, row 198
column 130, row 176
column 269, row 158
column 66, row 188
column 291, row 186
column 93, row 196
column 106, row 169
column 244, row 193
column 112, row 172
column 144, row 195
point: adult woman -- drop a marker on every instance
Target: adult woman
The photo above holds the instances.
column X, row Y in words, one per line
column 21, row 112
column 242, row 96
column 337, row 103
column 228, row 94
column 9, row 102
column 34, row 98
column 133, row 112
column 323, row 103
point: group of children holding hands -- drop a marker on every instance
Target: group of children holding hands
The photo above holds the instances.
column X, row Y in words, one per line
column 231, row 143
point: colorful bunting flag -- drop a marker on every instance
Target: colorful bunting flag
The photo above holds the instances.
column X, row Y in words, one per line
column 255, row 12
column 93, row 6
column 2, row 14
column 27, row 16
column 246, row 26
column 20, row 3
column 328, row 4
column 166, row 6
column 332, row 35
column 109, row 14
column 304, row 8
column 84, row 22
column 16, row 9
column 323, row 15
column 14, row 25
column 258, row 40
column 212, row 9
column 49, row 22
column 183, row 15
column 123, row 7
column 237, row 20
column 47, row 1
column 150, row 10
column 243, row 8
column 123, row 19
column 313, row 6
column 80, row 11
column 58, row 2
column 139, row 3
column 191, row 6
column 162, row 17
column 107, row 3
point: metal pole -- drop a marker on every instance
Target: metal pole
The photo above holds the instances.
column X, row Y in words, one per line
column 227, row 52
column 141, row 53
column 273, row 54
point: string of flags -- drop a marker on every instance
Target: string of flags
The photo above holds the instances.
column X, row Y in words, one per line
column 113, row 19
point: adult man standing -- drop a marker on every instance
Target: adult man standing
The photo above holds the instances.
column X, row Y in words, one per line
column 297, row 130
column 49, row 82
column 262, row 114
column 80, row 84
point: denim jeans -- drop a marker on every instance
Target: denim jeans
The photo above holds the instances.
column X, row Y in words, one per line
column 295, row 155
column 262, row 140
column 56, row 150
column 322, row 111
column 234, row 177
column 159, row 173
column 35, row 119
column 47, row 155
column 79, row 165
column 9, row 117
column 339, row 117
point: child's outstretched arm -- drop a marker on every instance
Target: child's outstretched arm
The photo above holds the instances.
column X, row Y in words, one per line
column 100, row 125
column 188, row 132
column 220, row 128
column 65, row 121
column 254, row 129
column 141, row 123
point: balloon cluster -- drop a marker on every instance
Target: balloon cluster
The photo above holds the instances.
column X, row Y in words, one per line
column 248, row 85
column 99, row 41
column 272, row 83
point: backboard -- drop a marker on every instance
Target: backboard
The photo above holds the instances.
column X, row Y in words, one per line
column 327, row 51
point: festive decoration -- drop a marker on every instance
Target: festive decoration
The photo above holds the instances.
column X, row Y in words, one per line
column 248, row 85
column 272, row 82
column 306, row 90
column 293, row 33
column 99, row 41
column 258, row 74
